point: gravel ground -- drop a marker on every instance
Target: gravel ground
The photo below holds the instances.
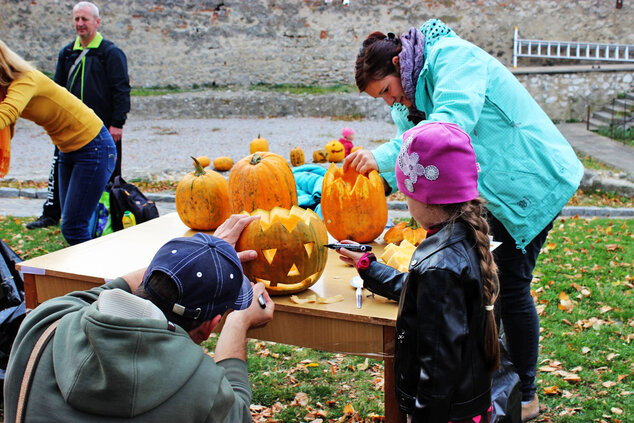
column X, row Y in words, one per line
column 161, row 148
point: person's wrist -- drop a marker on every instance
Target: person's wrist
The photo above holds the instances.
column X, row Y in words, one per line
column 365, row 260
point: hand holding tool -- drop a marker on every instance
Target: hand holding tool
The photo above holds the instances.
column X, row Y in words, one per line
column 352, row 247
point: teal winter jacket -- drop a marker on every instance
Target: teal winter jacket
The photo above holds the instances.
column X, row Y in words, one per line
column 528, row 170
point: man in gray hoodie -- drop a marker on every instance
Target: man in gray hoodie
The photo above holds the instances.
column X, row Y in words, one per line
column 124, row 350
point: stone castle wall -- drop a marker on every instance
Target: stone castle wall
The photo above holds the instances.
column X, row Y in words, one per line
column 308, row 42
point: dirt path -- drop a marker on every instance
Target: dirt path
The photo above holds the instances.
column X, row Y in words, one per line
column 161, row 148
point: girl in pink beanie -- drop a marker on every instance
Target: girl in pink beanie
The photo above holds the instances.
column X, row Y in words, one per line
column 347, row 135
column 447, row 340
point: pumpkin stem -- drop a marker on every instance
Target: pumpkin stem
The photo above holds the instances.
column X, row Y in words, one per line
column 255, row 159
column 199, row 169
column 412, row 223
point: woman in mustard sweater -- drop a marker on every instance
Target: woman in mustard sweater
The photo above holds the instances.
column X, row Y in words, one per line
column 87, row 151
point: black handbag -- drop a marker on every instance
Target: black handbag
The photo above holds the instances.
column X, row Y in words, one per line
column 505, row 390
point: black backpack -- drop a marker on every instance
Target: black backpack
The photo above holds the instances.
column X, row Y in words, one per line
column 124, row 197
column 12, row 305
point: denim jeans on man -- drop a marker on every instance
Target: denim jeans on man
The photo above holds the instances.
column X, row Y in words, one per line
column 83, row 175
column 518, row 312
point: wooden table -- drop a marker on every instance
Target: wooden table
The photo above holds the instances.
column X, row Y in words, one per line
column 338, row 327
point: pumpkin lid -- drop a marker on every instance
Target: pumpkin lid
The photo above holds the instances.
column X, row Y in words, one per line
column 207, row 273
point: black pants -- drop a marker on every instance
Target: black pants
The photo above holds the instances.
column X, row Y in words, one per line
column 117, row 166
column 518, row 312
column 52, row 207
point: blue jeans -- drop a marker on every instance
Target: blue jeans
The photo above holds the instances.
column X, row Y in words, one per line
column 518, row 312
column 83, row 175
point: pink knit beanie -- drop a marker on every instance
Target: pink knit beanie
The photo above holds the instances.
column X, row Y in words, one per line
column 437, row 164
column 346, row 132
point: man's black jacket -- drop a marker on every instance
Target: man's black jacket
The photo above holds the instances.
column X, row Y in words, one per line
column 106, row 85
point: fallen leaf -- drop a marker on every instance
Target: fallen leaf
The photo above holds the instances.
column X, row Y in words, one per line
column 363, row 366
column 585, row 350
column 301, row 399
column 609, row 383
column 348, row 409
column 552, row 390
column 616, row 410
column 565, row 303
column 612, row 247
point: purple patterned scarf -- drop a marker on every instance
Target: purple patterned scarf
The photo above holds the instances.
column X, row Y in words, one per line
column 411, row 59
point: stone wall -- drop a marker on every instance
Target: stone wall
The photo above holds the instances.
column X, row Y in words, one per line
column 564, row 97
column 308, row 42
column 242, row 42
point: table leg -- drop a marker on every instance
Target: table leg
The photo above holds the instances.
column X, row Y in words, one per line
column 392, row 412
column 30, row 292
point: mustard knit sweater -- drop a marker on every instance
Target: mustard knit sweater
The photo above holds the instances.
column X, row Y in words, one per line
column 34, row 96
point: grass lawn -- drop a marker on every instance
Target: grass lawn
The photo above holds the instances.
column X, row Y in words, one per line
column 583, row 290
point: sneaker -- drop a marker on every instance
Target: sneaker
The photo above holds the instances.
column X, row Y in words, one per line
column 530, row 410
column 42, row 222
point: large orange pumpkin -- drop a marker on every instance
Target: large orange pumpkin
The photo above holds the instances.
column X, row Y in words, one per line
column 262, row 180
column 353, row 205
column 290, row 247
column 202, row 199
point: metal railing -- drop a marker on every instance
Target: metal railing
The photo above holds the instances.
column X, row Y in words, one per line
column 615, row 118
column 570, row 50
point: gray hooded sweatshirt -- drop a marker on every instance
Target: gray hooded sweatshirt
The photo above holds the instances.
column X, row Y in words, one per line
column 105, row 368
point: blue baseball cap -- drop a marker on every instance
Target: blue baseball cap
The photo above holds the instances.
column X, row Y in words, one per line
column 208, row 274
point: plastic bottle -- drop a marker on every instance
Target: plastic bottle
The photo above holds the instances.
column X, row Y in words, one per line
column 128, row 219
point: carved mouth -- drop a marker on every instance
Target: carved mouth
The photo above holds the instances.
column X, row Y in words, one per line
column 286, row 288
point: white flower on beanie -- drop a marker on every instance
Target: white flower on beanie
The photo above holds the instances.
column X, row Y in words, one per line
column 408, row 163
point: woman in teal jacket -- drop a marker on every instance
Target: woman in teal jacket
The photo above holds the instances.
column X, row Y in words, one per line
column 528, row 171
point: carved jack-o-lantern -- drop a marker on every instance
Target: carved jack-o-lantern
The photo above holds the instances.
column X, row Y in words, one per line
column 336, row 151
column 290, row 247
column 353, row 205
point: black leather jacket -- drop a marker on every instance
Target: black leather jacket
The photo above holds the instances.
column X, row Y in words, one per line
column 440, row 370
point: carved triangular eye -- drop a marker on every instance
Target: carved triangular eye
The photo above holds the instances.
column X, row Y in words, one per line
column 294, row 271
column 269, row 254
column 309, row 247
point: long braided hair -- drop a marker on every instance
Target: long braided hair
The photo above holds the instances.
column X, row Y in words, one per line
column 374, row 62
column 472, row 214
